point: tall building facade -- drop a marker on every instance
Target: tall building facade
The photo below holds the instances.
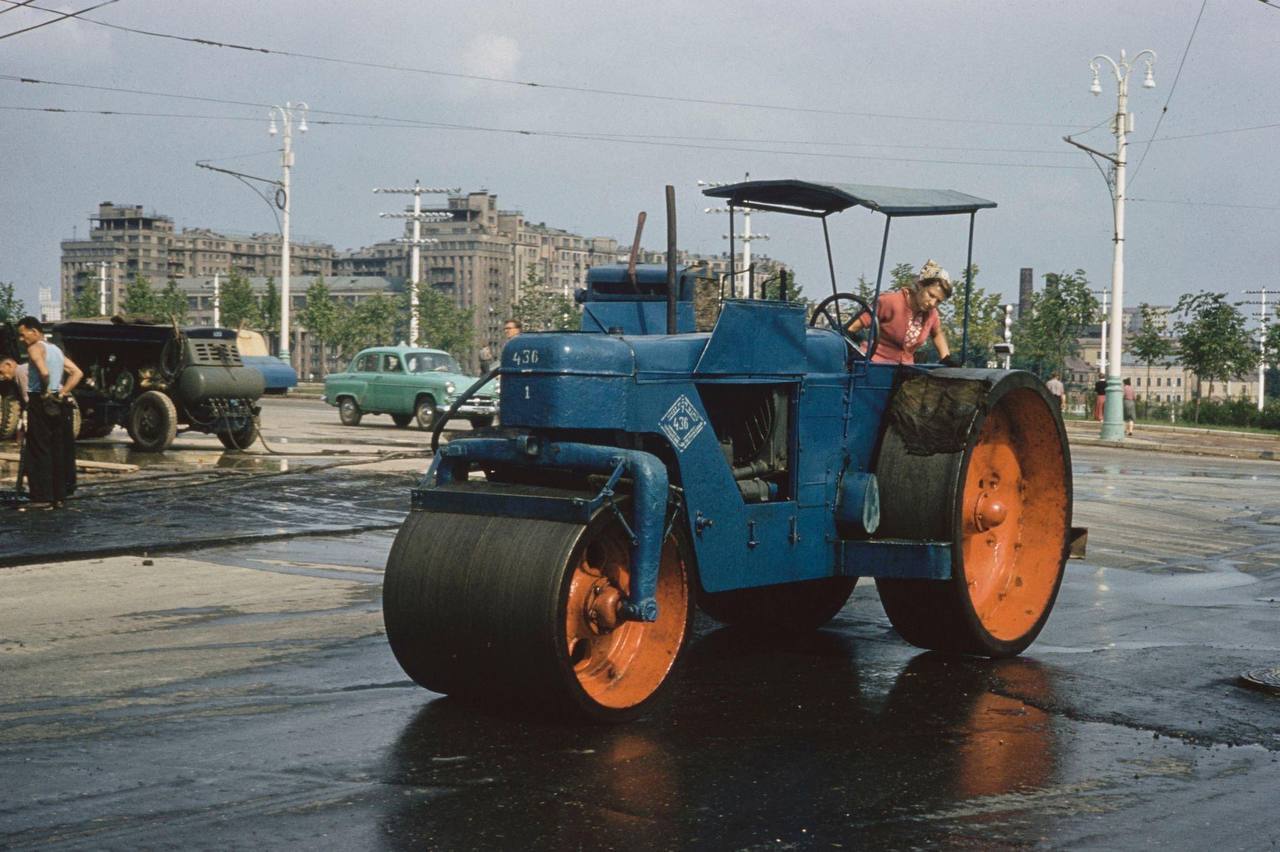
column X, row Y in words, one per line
column 125, row 242
column 481, row 257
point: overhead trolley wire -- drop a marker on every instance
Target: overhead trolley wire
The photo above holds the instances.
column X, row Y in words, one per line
column 532, row 84
column 62, row 16
column 16, row 5
column 1165, row 109
column 583, row 136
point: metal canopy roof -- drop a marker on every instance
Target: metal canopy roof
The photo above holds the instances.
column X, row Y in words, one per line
column 807, row 198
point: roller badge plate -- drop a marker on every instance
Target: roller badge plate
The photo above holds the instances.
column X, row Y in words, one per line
column 682, row 423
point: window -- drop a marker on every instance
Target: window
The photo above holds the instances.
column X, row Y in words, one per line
column 391, row 363
column 1179, row 382
column 1157, row 381
column 426, row 362
column 367, row 363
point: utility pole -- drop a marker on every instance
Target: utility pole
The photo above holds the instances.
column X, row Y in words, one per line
column 1262, row 343
column 1121, row 126
column 102, row 289
column 416, row 241
column 747, row 238
column 1008, row 336
column 285, row 114
column 217, row 300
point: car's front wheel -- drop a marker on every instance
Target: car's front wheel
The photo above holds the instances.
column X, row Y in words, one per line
column 425, row 412
column 348, row 412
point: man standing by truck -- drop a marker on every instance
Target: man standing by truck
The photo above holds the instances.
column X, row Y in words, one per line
column 50, row 445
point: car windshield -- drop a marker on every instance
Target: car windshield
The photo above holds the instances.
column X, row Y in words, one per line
column 431, row 362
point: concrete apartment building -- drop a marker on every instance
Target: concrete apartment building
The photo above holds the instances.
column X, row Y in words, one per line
column 481, row 257
column 128, row 241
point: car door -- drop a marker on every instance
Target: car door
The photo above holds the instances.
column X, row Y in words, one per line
column 390, row 385
column 364, row 370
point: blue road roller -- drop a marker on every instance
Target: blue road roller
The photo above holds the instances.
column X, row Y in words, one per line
column 757, row 470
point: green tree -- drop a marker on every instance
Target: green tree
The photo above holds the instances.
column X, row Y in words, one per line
column 771, row 286
column 239, row 308
column 271, row 309
column 171, row 303
column 1152, row 342
column 320, row 318
column 1212, row 340
column 139, row 298
column 11, row 307
column 1048, row 334
column 540, row 310
column 441, row 323
column 375, row 321
column 986, row 320
column 85, row 303
column 1273, row 356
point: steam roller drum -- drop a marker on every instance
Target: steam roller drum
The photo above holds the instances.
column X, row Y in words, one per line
column 781, row 609
column 522, row 612
column 979, row 459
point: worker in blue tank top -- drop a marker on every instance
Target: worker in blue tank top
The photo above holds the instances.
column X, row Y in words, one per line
column 50, row 446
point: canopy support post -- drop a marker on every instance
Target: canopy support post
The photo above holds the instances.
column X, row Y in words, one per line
column 884, row 247
column 968, row 287
column 831, row 266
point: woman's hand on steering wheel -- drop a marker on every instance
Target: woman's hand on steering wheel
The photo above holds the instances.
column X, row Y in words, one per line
column 829, row 311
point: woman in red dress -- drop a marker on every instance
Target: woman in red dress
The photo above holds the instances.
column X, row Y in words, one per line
column 909, row 316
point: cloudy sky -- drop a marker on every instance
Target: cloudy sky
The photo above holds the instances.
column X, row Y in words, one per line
column 974, row 96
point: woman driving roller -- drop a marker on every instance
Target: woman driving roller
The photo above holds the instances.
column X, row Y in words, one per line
column 909, row 316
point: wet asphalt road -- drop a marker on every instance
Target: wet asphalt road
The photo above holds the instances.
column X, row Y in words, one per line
column 243, row 696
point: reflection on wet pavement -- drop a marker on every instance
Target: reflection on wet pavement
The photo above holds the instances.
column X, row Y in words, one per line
column 155, row 516
column 750, row 728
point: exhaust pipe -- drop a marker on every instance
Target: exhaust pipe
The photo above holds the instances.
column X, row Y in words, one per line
column 671, row 259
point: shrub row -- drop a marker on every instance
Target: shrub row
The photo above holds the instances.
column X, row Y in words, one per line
column 1233, row 412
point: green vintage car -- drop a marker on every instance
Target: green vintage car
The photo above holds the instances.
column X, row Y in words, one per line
column 409, row 383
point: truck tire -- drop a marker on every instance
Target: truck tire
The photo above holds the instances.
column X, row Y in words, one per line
column 77, row 419
column 96, row 429
column 153, row 422
column 240, row 439
column 10, row 412
column 348, row 412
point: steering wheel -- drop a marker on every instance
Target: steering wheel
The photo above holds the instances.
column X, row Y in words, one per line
column 828, row 313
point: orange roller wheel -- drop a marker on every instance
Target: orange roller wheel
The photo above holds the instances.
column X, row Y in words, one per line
column 997, row 486
column 525, row 612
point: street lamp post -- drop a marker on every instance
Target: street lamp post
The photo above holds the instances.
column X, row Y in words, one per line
column 1121, row 126
column 416, row 241
column 285, row 114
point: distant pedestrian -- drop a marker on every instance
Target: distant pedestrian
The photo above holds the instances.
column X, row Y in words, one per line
column 50, row 445
column 486, row 358
column 1130, row 407
column 1099, row 397
column 1054, row 386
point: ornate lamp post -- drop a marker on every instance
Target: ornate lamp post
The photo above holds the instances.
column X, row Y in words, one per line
column 1121, row 126
column 286, row 114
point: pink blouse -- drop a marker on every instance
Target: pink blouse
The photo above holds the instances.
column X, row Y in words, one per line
column 902, row 330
